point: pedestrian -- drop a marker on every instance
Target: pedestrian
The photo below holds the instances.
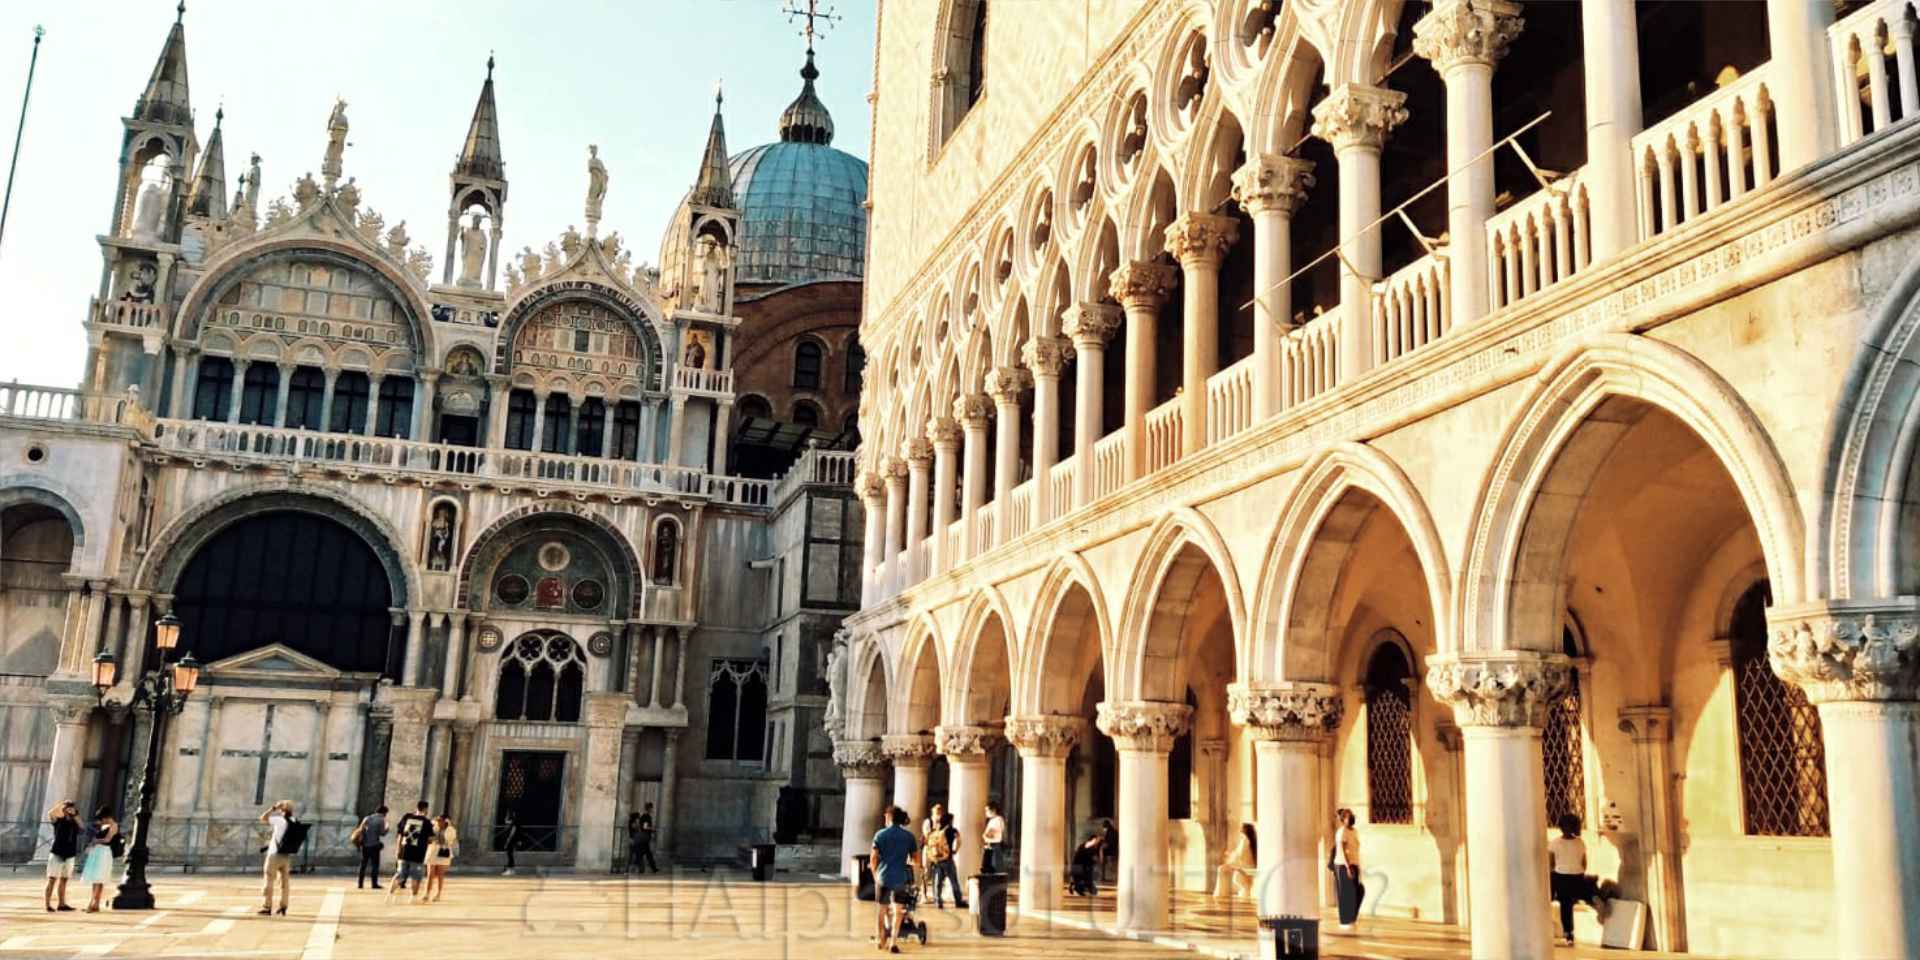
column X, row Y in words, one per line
column 928, row 828
column 1086, row 858
column 65, row 818
column 280, row 848
column 1110, row 850
column 992, row 838
column 643, row 842
column 895, row 855
column 942, row 843
column 510, row 839
column 370, row 836
column 98, row 867
column 1236, row 869
column 1344, row 861
column 1569, row 881
column 414, row 833
column 446, row 843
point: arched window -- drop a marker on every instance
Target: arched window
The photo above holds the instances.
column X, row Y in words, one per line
column 806, row 414
column 593, row 426
column 807, row 357
column 542, row 678
column 977, row 55
column 1389, row 736
column 553, row 432
column 1561, row 745
column 213, row 389
column 395, row 416
column 666, row 550
column 960, row 68
column 520, row 407
column 306, row 393
column 856, row 366
column 737, row 711
column 260, row 393
column 349, row 402
column 754, row 407
column 1783, row 759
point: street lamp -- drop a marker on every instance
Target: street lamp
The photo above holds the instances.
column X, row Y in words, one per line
column 163, row 689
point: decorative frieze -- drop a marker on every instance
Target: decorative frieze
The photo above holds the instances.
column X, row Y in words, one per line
column 1091, row 325
column 1358, row 116
column 1503, row 688
column 860, row 759
column 1294, row 711
column 973, row 409
column 1045, row 735
column 1863, row 652
column 1141, row 283
column 1047, row 356
column 967, row 743
column 1272, row 182
column 1005, row 384
column 1459, row 32
column 908, row 749
column 1202, row 239
column 1144, row 725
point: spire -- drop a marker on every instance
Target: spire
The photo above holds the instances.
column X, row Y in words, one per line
column 715, row 186
column 480, row 155
column 806, row 119
column 165, row 99
column 209, row 196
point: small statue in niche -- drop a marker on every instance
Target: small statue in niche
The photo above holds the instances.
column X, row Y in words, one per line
column 140, row 281
column 151, row 210
column 473, row 253
column 666, row 551
column 711, row 257
column 696, row 358
column 440, row 538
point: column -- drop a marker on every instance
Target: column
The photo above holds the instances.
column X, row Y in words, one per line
column 1046, row 358
column 896, row 474
column 648, row 447
column 570, row 444
column 1199, row 241
column 456, row 653
column 499, row 394
column 607, row 449
column 873, row 504
column 373, row 404
column 600, row 790
column 1651, row 728
column 280, row 398
column 659, row 654
column 721, row 424
column 1610, row 43
column 1499, row 700
column 133, row 654
column 423, row 421
column 1089, row 326
column 453, row 231
column 918, row 453
column 1464, row 39
column 968, row 781
column 1291, row 722
column 69, row 750
column 1356, row 120
column 680, row 668
column 317, row 759
column 110, row 641
column 73, row 627
column 676, row 426
column 407, row 748
column 972, row 410
column 1270, row 187
column 911, row 756
column 1143, row 732
column 1043, row 742
column 945, row 435
column 1142, row 287
column 462, row 771
column 863, row 767
column 669, row 785
column 1004, row 385
column 1801, row 65
column 1859, row 662
column 186, row 362
column 416, row 643
column 539, row 420
column 238, row 389
column 493, row 252
column 326, row 399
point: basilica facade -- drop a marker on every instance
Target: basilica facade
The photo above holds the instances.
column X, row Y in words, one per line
column 1468, row 414
column 472, row 532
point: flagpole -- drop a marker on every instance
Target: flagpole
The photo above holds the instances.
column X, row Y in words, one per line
column 7, row 204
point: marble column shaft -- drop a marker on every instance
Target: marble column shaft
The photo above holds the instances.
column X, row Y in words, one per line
column 1143, row 732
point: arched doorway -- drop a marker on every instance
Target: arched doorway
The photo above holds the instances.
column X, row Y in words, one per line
column 36, row 550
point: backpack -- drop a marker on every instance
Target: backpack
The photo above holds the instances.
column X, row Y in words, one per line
column 359, row 834
column 938, row 850
column 294, row 837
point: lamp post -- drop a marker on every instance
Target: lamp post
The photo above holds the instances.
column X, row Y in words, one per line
column 164, row 690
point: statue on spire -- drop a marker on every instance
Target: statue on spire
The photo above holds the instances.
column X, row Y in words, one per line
column 473, row 253
column 596, row 188
column 336, row 143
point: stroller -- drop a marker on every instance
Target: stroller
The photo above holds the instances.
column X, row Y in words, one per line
column 909, row 901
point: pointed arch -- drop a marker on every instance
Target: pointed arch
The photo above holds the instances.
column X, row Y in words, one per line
column 923, row 661
column 1070, row 602
column 988, row 641
column 1181, row 548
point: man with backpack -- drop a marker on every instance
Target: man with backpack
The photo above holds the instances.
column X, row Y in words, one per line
column 370, row 836
column 289, row 834
column 943, row 840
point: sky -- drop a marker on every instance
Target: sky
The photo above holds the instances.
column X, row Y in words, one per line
column 636, row 77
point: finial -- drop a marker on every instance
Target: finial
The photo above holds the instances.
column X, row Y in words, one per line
column 180, row 12
column 219, row 114
column 809, row 72
column 489, row 64
column 719, row 93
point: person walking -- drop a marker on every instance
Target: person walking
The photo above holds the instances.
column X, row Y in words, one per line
column 65, row 818
column 414, row 833
column 992, row 839
column 895, row 855
column 446, row 842
column 370, row 836
column 279, row 857
column 98, row 867
column 510, row 839
column 1568, row 880
column 643, row 838
column 1236, row 869
column 1086, row 857
column 943, row 841
column 1110, row 851
column 928, row 828
column 1344, row 861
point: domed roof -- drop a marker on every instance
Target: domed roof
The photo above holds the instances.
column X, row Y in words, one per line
column 802, row 212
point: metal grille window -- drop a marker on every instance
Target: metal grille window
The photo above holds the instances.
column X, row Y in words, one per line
column 542, row 677
column 1783, row 761
column 737, row 710
column 1561, row 748
column 1389, row 737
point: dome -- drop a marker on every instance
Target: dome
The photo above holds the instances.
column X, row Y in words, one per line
column 802, row 213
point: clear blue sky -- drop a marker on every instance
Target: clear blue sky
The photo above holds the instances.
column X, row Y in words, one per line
column 635, row 77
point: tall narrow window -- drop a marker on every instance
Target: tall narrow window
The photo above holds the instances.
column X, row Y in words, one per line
column 593, row 425
column 1561, row 745
column 1389, row 736
column 977, row 55
column 395, row 418
column 260, row 393
column 737, row 711
column 520, row 407
column 626, row 431
column 806, row 365
column 349, row 403
column 1783, row 759
column 213, row 389
column 306, row 394
column 553, row 431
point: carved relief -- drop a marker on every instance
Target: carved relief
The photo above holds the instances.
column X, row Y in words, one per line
column 1144, row 725
column 1044, row 735
column 967, row 742
column 1286, row 711
column 1498, row 689
column 1848, row 655
column 859, row 760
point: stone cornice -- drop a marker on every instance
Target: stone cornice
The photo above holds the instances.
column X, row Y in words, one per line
column 967, row 742
column 1144, row 725
column 1295, row 711
column 1502, row 688
column 1848, row 651
column 1045, row 735
column 860, row 759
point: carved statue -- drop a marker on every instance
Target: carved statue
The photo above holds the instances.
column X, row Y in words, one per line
column 711, row 257
column 530, row 264
column 348, row 196
column 305, row 192
column 397, row 239
column 696, row 358
column 570, row 242
column 473, row 253
column 440, row 538
column 151, row 210
column 666, row 551
column 610, row 246
column 515, row 280
column 419, row 263
column 555, row 260
column 253, row 183
column 140, row 283
column 372, row 225
column 836, row 686
column 336, row 140
column 596, row 185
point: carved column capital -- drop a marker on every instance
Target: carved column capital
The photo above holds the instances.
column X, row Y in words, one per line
column 1647, row 724
column 1502, row 688
column 1272, row 182
column 70, row 710
column 1046, row 356
column 1461, row 32
column 1201, row 239
column 1004, row 384
column 1091, row 325
column 909, row 749
column 868, row 485
column 1358, row 116
column 1144, row 725
column 917, row 452
column 894, row 469
column 1848, row 651
column 860, row 759
column 967, row 743
column 1289, row 711
column 973, row 409
column 1141, row 283
column 1045, row 735
column 944, row 432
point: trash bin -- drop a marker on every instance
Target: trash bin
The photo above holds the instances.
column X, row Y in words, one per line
column 762, row 862
column 1290, row 937
column 861, row 875
column 989, row 903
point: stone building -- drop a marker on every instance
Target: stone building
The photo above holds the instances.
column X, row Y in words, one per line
column 1466, row 413
column 466, row 532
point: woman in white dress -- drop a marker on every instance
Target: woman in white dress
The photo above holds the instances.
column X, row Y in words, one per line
column 98, row 867
column 446, row 842
column 1236, row 870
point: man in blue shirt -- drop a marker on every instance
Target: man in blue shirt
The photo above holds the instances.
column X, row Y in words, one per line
column 895, row 856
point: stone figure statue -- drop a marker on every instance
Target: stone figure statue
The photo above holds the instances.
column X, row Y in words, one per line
column 397, row 239
column 140, row 283
column 150, row 212
column 253, row 183
column 473, row 253
column 666, row 551
column 336, row 140
column 712, row 259
column 696, row 354
column 529, row 263
column 596, row 185
column 440, row 539
column 837, row 686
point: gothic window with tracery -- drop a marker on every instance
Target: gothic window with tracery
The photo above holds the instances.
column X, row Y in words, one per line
column 1561, row 740
column 1783, row 760
column 542, row 677
column 1389, row 736
column 737, row 710
column 977, row 55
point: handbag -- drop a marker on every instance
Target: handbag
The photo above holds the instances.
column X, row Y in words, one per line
column 359, row 833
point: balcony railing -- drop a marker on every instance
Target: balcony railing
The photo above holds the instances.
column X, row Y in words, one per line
column 815, row 465
column 1060, row 488
column 956, row 542
column 29, row 402
column 1109, row 464
column 1230, row 400
column 1538, row 242
column 1019, row 515
column 983, row 527
column 128, row 315
column 705, row 382
column 1163, row 435
column 1410, row 308
column 1861, row 44
column 1711, row 153
column 1310, row 359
